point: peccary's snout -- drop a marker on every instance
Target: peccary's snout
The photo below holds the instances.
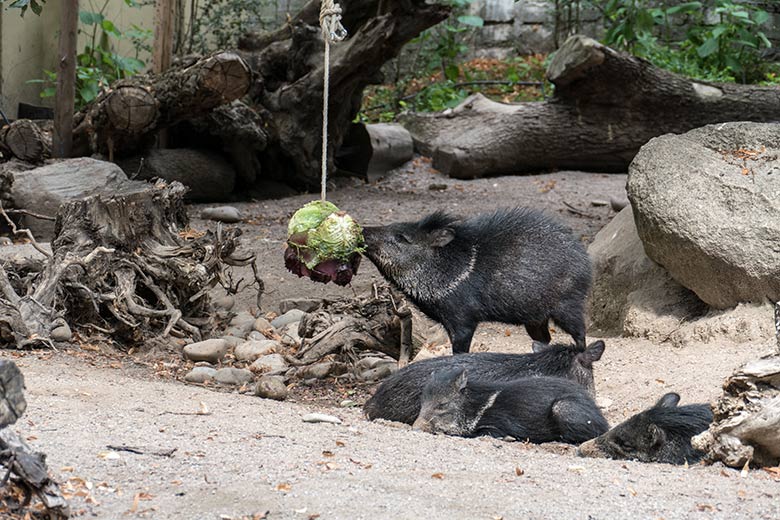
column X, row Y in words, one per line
column 590, row 449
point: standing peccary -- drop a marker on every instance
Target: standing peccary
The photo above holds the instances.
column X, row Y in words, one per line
column 659, row 434
column 536, row 409
column 398, row 397
column 514, row 266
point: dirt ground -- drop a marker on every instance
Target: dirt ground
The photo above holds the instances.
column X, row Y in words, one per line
column 202, row 454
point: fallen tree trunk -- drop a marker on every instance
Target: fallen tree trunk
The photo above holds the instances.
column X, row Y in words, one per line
column 124, row 265
column 289, row 65
column 369, row 151
column 605, row 107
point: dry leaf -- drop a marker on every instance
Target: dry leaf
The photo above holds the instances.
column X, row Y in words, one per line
column 70, row 469
column 519, row 471
column 340, row 444
column 724, row 473
column 203, row 409
column 284, row 486
column 507, row 332
column 632, row 491
column 327, row 453
column 745, row 470
column 439, row 476
column 741, row 493
column 775, row 471
column 108, row 455
column 705, row 507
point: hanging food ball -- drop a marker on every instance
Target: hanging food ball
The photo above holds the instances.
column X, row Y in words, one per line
column 323, row 243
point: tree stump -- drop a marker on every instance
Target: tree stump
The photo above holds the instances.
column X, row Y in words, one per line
column 26, row 141
column 377, row 322
column 125, row 265
column 605, row 107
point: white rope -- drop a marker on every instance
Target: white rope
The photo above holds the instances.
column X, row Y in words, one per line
column 332, row 31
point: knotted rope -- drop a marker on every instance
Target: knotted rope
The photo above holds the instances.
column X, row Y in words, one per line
column 332, row 31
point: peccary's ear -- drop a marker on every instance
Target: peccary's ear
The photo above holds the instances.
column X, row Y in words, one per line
column 593, row 353
column 656, row 436
column 669, row 400
column 460, row 382
column 538, row 346
column 441, row 237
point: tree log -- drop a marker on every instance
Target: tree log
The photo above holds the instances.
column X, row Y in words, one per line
column 124, row 117
column 370, row 151
column 25, row 140
column 605, row 107
column 12, row 402
column 126, row 265
column 746, row 427
column 289, row 66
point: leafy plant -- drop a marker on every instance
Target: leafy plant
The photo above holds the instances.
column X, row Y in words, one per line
column 98, row 65
column 36, row 6
column 220, row 23
column 727, row 50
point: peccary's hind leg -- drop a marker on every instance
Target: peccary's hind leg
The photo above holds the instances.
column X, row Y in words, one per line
column 539, row 332
column 578, row 421
column 461, row 338
column 570, row 317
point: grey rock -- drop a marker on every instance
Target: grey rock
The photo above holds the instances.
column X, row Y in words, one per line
column 269, row 363
column 271, row 387
column 211, row 350
column 251, row 350
column 241, row 325
column 631, row 294
column 289, row 334
column 498, row 10
column 233, row 341
column 598, row 203
column 533, row 38
column 227, row 214
column 367, row 363
column 261, row 324
column 200, row 375
column 225, row 302
column 233, row 376
column 317, row 370
column 5, row 241
column 290, row 316
column 61, row 333
column 44, row 189
column 712, row 224
column 533, row 12
column 617, row 204
column 255, row 336
column 303, row 304
column 379, row 372
column 321, row 418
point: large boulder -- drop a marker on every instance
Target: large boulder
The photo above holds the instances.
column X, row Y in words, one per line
column 707, row 208
column 42, row 190
column 631, row 294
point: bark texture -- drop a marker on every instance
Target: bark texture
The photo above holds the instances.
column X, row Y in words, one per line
column 605, row 107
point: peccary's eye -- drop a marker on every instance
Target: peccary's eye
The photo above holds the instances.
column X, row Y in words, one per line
column 623, row 444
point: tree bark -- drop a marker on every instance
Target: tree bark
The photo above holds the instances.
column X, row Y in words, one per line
column 26, row 140
column 124, row 118
column 125, row 264
column 289, row 66
column 605, row 107
column 64, row 100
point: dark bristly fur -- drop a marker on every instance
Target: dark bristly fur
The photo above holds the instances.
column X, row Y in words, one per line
column 659, row 434
column 536, row 409
column 398, row 397
column 514, row 266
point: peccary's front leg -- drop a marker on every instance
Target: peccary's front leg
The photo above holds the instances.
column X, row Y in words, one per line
column 461, row 338
column 539, row 332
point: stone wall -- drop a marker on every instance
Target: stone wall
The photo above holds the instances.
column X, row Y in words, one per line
column 533, row 26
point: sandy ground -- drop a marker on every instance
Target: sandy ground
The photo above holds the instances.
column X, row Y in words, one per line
column 248, row 456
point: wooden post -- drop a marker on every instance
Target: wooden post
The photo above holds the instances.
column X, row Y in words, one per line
column 163, row 47
column 163, row 35
column 64, row 99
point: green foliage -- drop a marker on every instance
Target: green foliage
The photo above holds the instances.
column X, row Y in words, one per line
column 98, row 65
column 36, row 6
column 219, row 23
column 727, row 50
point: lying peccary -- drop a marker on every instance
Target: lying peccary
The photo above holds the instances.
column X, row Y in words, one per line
column 536, row 409
column 398, row 397
column 659, row 434
column 514, row 266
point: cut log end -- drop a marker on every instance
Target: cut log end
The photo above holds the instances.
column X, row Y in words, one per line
column 25, row 140
column 227, row 74
column 131, row 109
column 574, row 58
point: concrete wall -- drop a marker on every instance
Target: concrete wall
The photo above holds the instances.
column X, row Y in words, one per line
column 28, row 46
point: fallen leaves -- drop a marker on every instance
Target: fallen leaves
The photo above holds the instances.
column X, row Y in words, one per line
column 284, row 487
column 519, row 471
column 438, row 476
